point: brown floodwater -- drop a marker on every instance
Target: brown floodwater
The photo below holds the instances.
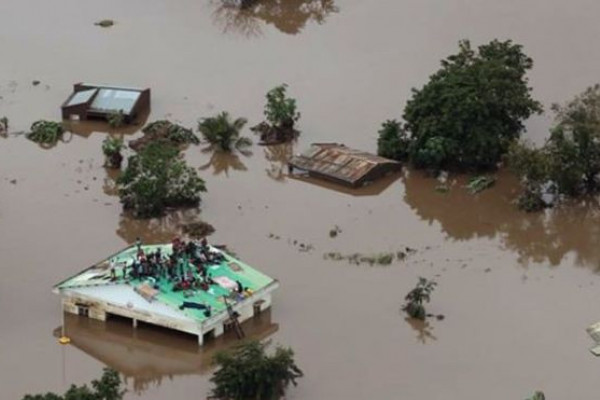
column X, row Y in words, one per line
column 517, row 291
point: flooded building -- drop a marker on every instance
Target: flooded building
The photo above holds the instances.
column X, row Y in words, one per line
column 98, row 102
column 338, row 163
column 199, row 298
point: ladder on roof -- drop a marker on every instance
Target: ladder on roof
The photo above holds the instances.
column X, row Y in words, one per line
column 233, row 317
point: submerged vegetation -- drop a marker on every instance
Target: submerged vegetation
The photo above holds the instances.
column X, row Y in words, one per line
column 156, row 178
column 281, row 114
column 537, row 396
column 248, row 372
column 468, row 113
column 223, row 134
column 105, row 23
column 416, row 297
column 568, row 164
column 46, row 132
column 164, row 131
column 116, row 119
column 381, row 259
column 108, row 387
column 111, row 147
column 3, row 126
column 197, row 230
column 480, row 183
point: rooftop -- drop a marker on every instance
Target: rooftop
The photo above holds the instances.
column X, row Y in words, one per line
column 157, row 294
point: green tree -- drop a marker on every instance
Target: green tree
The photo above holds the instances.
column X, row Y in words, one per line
column 538, row 396
column 393, row 141
column 157, row 178
column 108, row 387
column 280, row 110
column 247, row 372
column 471, row 109
column 416, row 297
column 223, row 133
column 111, row 147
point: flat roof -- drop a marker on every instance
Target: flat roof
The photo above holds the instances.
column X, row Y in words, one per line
column 109, row 100
column 97, row 282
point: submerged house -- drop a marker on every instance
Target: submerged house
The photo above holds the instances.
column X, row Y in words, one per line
column 199, row 298
column 338, row 163
column 98, row 102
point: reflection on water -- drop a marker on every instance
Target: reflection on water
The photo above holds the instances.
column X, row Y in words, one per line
column 109, row 187
column 87, row 127
column 372, row 189
column 148, row 354
column 222, row 162
column 156, row 230
column 539, row 237
column 423, row 328
column 288, row 16
column 278, row 156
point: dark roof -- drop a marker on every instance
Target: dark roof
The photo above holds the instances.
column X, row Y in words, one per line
column 340, row 162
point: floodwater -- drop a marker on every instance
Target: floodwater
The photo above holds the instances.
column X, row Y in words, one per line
column 517, row 291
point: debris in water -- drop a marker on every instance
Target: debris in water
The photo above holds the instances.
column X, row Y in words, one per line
column 480, row 183
column 359, row 258
column 335, row 231
column 35, row 82
column 197, row 230
column 13, row 181
column 105, row 23
column 3, row 126
column 442, row 188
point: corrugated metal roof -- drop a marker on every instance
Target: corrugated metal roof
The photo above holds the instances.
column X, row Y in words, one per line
column 339, row 162
column 109, row 100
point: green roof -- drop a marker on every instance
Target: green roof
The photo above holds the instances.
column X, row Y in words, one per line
column 99, row 275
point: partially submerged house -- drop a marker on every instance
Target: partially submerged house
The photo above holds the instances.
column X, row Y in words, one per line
column 117, row 287
column 90, row 101
column 338, row 163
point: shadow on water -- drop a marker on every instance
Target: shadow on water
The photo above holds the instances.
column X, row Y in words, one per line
column 288, row 16
column 278, row 156
column 223, row 162
column 373, row 189
column 546, row 237
column 150, row 353
column 156, row 230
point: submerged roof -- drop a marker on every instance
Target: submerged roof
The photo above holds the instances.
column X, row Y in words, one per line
column 340, row 162
column 96, row 282
column 104, row 99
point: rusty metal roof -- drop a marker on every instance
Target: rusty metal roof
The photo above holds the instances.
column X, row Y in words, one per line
column 339, row 162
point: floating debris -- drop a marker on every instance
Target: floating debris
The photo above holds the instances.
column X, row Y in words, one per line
column 442, row 188
column 105, row 23
column 480, row 183
column 335, row 231
column 35, row 82
column 46, row 132
column 358, row 258
column 4, row 126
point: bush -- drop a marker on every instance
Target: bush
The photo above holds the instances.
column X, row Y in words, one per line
column 222, row 133
column 393, row 141
column 109, row 387
column 247, row 372
column 46, row 132
column 116, row 119
column 157, row 178
column 281, row 114
column 416, row 297
column 111, row 147
column 471, row 109
column 166, row 132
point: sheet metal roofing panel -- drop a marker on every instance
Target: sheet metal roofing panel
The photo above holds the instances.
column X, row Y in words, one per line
column 81, row 97
column 115, row 100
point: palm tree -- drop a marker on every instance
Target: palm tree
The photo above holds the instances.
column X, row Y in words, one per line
column 222, row 133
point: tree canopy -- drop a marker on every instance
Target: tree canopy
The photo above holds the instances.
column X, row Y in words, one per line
column 223, row 133
column 247, row 372
column 108, row 387
column 470, row 111
column 568, row 164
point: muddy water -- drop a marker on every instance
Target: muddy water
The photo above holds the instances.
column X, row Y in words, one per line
column 517, row 291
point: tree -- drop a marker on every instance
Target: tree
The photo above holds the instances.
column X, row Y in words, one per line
column 167, row 132
column 569, row 162
column 393, row 141
column 222, row 133
column 109, row 387
column 538, row 396
column 247, row 372
column 471, row 109
column 157, row 178
column 281, row 114
column 416, row 297
column 111, row 147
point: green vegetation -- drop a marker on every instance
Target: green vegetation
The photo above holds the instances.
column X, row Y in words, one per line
column 116, row 119
column 105, row 23
column 109, row 387
column 157, row 178
column 111, row 147
column 198, row 230
column 165, row 132
column 416, row 297
column 382, row 259
column 3, row 126
column 393, row 141
column 538, row 396
column 468, row 113
column 568, row 164
column 281, row 115
column 222, row 133
column 247, row 372
column 479, row 183
column 46, row 132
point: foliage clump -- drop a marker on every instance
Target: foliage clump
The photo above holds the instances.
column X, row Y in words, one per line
column 46, row 132
column 222, row 133
column 111, row 148
column 105, row 23
column 3, row 126
column 568, row 164
column 198, row 230
column 416, row 297
column 108, row 387
column 116, row 119
column 167, row 132
column 157, row 178
column 281, row 115
column 468, row 113
column 538, row 396
column 480, row 183
column 248, row 372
